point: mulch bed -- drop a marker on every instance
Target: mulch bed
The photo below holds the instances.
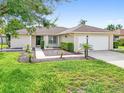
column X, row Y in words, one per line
column 24, row 58
column 56, row 52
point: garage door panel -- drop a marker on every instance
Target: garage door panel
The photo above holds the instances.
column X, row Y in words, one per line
column 97, row 42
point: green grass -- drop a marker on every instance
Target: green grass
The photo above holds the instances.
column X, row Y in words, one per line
column 121, row 47
column 87, row 76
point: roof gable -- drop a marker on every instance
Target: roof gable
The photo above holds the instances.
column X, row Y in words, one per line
column 84, row 28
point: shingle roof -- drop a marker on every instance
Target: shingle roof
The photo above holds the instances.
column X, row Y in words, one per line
column 62, row 30
column 122, row 32
column 84, row 28
column 119, row 32
column 45, row 31
column 51, row 31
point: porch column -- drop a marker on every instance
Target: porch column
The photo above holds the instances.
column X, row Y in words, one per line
column 58, row 37
column 46, row 41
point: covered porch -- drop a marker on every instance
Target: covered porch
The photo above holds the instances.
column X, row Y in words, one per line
column 50, row 41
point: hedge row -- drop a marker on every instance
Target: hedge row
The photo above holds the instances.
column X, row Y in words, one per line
column 67, row 46
column 42, row 44
column 115, row 44
column 119, row 42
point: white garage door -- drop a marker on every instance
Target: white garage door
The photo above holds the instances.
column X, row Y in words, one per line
column 97, row 42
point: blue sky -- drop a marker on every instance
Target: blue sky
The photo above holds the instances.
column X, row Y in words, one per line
column 97, row 12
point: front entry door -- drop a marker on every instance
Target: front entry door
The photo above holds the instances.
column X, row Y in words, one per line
column 38, row 39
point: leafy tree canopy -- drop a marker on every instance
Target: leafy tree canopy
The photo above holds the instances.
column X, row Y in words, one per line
column 119, row 26
column 12, row 26
column 82, row 21
column 29, row 11
column 113, row 27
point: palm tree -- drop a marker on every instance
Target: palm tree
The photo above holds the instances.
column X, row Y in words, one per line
column 83, row 22
column 119, row 27
column 86, row 47
column 111, row 27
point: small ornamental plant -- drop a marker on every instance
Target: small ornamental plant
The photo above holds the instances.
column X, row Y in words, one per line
column 61, row 55
column 30, row 57
column 27, row 48
column 86, row 47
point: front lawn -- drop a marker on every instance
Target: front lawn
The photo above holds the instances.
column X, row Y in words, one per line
column 120, row 49
column 86, row 76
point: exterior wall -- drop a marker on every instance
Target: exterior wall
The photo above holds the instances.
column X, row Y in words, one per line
column 121, row 37
column 111, row 41
column 20, row 42
column 4, row 39
column 33, row 41
column 67, row 38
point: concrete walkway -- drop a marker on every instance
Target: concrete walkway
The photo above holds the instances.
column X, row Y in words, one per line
column 109, row 56
column 39, row 53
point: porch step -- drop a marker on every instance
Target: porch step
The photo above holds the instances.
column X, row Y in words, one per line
column 39, row 53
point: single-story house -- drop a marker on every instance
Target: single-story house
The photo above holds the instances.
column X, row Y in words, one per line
column 99, row 39
column 118, row 34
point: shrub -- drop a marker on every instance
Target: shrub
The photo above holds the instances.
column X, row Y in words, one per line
column 86, row 47
column 27, row 48
column 67, row 46
column 121, row 42
column 30, row 57
column 42, row 44
column 116, row 44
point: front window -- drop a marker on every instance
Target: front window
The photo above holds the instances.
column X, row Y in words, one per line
column 52, row 39
column 116, row 38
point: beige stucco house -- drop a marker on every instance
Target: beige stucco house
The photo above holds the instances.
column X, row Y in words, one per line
column 99, row 39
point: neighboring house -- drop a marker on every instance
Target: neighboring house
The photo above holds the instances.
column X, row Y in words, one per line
column 99, row 39
column 118, row 34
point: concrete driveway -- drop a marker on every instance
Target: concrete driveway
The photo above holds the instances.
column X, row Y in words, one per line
column 109, row 56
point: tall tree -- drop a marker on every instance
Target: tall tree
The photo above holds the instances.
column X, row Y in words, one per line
column 29, row 11
column 11, row 29
column 119, row 27
column 111, row 27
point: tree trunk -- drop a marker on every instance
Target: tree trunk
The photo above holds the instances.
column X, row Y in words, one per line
column 85, row 53
column 8, row 40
